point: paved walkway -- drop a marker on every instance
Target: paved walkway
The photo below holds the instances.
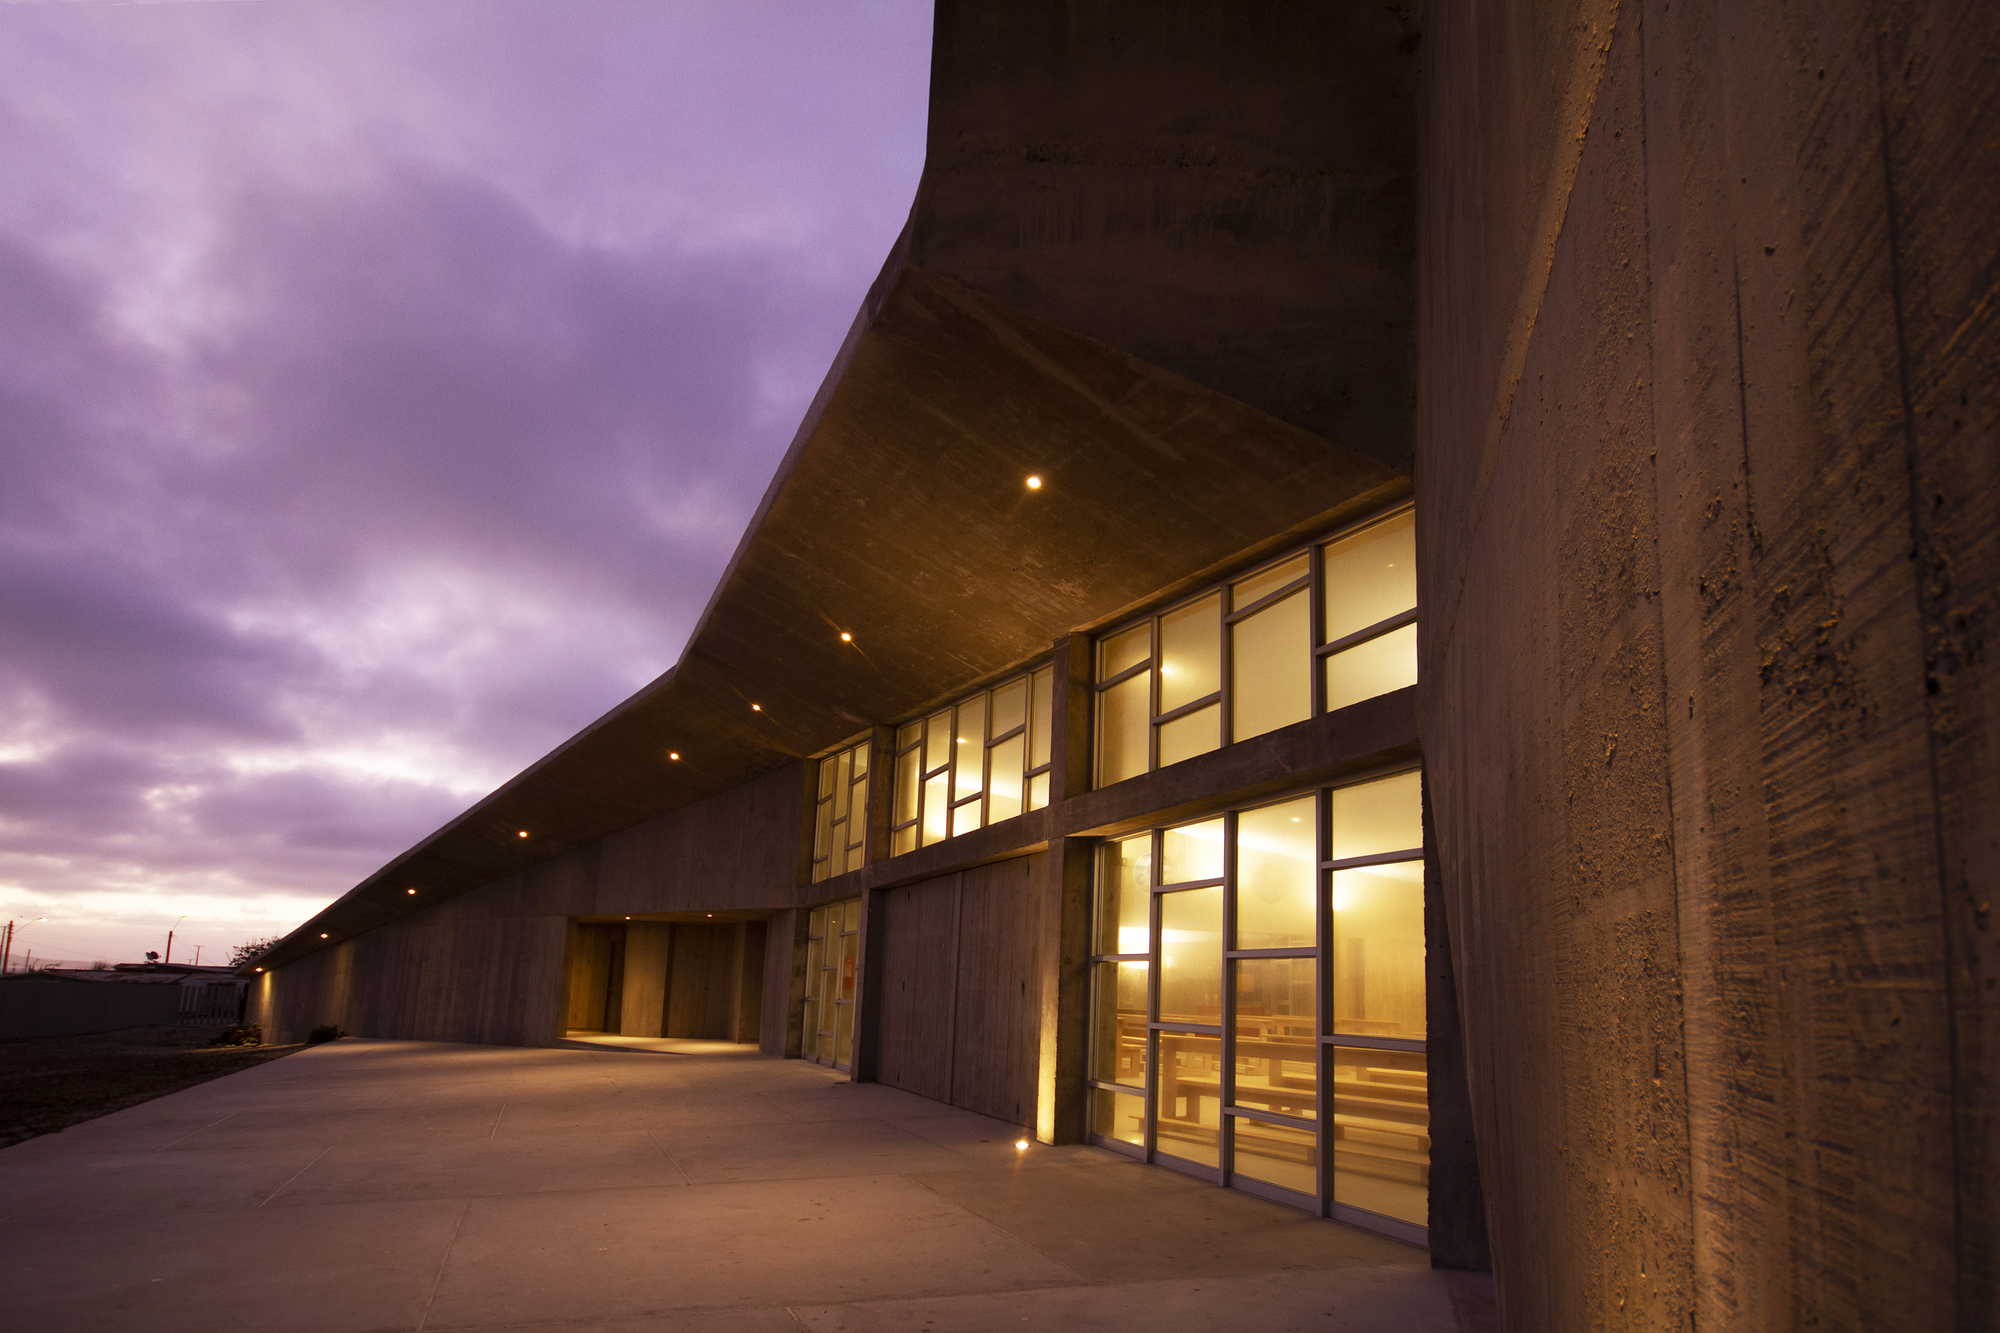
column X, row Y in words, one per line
column 407, row 1185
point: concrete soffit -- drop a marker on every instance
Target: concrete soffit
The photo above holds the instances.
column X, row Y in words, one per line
column 900, row 516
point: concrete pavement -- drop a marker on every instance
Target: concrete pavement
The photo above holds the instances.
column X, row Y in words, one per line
column 688, row 1187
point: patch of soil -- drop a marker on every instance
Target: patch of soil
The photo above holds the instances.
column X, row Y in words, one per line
column 51, row 1083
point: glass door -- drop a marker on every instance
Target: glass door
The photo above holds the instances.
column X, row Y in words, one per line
column 833, row 949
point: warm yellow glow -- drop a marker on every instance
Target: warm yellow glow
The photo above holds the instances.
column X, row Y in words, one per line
column 524, row 833
column 260, row 969
column 1022, row 1144
column 845, row 637
column 412, row 892
column 673, row 754
column 322, row 934
column 1034, row 483
column 756, row 708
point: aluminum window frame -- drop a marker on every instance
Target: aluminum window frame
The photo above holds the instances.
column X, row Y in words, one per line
column 911, row 737
column 1312, row 582
column 1326, row 1034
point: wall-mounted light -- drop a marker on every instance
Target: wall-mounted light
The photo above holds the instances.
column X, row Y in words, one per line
column 1034, row 483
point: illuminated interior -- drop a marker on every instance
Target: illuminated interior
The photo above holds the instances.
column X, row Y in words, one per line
column 982, row 760
column 833, row 948
column 1238, row 660
column 1258, row 1000
column 840, row 820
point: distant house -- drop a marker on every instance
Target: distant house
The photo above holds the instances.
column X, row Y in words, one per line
column 210, row 996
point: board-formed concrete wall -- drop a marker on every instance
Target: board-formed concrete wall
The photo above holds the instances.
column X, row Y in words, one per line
column 487, row 966
column 1710, row 541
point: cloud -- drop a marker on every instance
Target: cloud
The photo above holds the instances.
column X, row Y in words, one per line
column 382, row 388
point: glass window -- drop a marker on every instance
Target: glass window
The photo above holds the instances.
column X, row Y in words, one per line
column 1378, row 950
column 840, row 820
column 1191, row 956
column 1192, row 853
column 1190, row 735
column 832, row 944
column 1124, row 896
column 983, row 760
column 1190, row 1098
column 1277, row 864
column 1190, row 653
column 1116, row 1116
column 1375, row 667
column 1365, row 588
column 1271, row 662
column 1038, row 729
column 1120, row 1024
column 1122, row 652
column 1244, row 595
column 1371, row 576
column 1283, row 1155
column 1386, row 815
column 1123, row 734
column 1381, row 1133
column 1262, row 986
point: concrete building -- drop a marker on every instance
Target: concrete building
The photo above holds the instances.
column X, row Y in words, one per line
column 1071, row 739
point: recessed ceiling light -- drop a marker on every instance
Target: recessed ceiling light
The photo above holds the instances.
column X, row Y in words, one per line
column 1034, row 483
column 845, row 637
column 524, row 833
column 673, row 754
column 410, row 891
column 756, row 708
column 322, row 934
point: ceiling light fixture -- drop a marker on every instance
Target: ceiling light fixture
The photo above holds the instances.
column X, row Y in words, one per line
column 673, row 754
column 1034, row 483
column 411, row 892
column 845, row 637
column 524, row 833
column 756, row 708
column 322, row 934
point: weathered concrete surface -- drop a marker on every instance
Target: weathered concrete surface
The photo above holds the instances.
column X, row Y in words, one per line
column 382, row 1185
column 1710, row 541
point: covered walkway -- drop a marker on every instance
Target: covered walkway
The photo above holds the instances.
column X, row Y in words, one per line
column 689, row 1187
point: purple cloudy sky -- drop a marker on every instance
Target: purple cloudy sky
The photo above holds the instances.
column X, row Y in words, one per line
column 382, row 387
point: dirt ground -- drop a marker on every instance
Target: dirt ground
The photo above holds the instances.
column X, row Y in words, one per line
column 50, row 1083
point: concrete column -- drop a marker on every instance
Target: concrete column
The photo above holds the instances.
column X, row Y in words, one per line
column 1064, row 957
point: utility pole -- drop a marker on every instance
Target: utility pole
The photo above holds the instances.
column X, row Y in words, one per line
column 6, row 946
column 170, row 940
column 197, row 955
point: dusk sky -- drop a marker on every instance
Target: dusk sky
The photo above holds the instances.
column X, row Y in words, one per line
column 382, row 389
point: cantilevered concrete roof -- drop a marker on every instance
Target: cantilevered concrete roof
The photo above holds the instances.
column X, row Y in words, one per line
column 1163, row 261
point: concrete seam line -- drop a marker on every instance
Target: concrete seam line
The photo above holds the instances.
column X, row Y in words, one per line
column 670, row 1157
column 494, row 1132
column 296, row 1174
column 191, row 1133
column 795, row 1316
column 457, row 1225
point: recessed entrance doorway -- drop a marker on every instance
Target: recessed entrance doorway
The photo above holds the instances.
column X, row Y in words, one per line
column 664, row 978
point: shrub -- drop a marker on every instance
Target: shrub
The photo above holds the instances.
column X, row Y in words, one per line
column 249, row 1034
column 326, row 1032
